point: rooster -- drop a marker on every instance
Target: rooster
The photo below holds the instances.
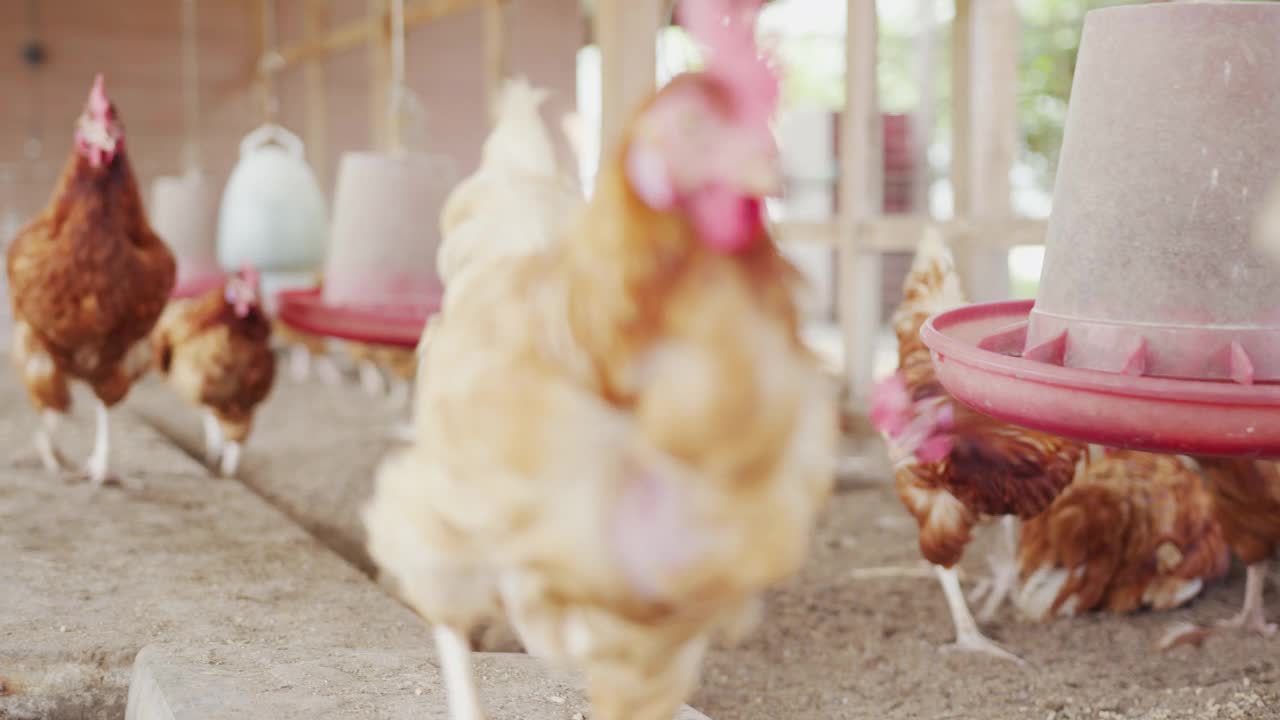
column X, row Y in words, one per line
column 1134, row 530
column 88, row 279
column 1246, row 497
column 953, row 466
column 621, row 439
column 215, row 351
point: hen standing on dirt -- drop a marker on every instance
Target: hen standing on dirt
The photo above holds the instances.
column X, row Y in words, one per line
column 88, row 280
column 215, row 351
column 622, row 440
column 955, row 466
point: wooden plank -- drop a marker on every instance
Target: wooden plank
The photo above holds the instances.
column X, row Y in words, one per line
column 626, row 32
column 360, row 32
column 861, row 191
column 902, row 233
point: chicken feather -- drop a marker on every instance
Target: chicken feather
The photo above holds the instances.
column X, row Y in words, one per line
column 620, row 440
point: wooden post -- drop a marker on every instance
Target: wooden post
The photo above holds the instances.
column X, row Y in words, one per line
column 985, row 137
column 926, row 58
column 317, row 103
column 626, row 32
column 861, row 198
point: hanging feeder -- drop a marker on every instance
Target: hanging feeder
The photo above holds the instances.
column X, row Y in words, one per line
column 273, row 212
column 1157, row 323
column 380, row 280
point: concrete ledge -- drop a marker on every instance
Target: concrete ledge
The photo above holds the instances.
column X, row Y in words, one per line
column 202, row 683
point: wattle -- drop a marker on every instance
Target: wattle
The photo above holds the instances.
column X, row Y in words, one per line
column 726, row 221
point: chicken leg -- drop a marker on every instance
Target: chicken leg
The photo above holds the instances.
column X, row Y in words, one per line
column 213, row 443
column 459, row 676
column 299, row 363
column 97, row 470
column 1004, row 571
column 50, row 458
column 230, row 460
column 371, row 379
column 1251, row 617
column 968, row 637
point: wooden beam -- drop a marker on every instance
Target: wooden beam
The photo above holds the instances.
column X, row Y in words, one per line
column 317, row 101
column 902, row 233
column 360, row 32
column 861, row 198
column 626, row 31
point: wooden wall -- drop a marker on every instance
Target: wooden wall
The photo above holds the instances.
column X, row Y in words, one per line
column 137, row 43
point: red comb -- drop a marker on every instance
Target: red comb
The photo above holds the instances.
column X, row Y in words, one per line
column 99, row 104
column 727, row 29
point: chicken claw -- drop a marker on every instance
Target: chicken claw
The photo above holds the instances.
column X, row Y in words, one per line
column 968, row 637
column 459, row 676
column 1251, row 618
column 977, row 642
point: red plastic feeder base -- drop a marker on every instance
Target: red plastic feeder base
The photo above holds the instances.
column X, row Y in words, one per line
column 978, row 349
column 395, row 325
column 196, row 286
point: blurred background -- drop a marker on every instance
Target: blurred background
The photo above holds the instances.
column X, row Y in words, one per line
column 326, row 56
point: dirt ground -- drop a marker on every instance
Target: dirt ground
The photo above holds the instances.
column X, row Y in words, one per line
column 838, row 646
column 835, row 645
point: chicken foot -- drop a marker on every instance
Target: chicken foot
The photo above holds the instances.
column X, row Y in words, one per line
column 50, row 458
column 213, row 445
column 1251, row 617
column 1004, row 572
column 454, row 652
column 968, row 637
column 299, row 363
column 97, row 470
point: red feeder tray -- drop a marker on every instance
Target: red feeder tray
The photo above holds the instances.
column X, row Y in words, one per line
column 196, row 286
column 396, row 325
column 977, row 352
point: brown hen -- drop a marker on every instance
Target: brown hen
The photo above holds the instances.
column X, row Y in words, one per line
column 1246, row 497
column 1134, row 530
column 215, row 352
column 88, row 279
column 954, row 466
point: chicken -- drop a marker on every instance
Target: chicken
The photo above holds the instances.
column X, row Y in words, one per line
column 88, row 278
column 1134, row 530
column 306, row 352
column 953, row 466
column 621, row 439
column 215, row 351
column 1246, row 501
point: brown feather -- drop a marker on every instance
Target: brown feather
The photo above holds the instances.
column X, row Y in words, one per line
column 89, row 278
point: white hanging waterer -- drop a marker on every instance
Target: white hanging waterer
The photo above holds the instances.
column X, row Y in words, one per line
column 273, row 213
